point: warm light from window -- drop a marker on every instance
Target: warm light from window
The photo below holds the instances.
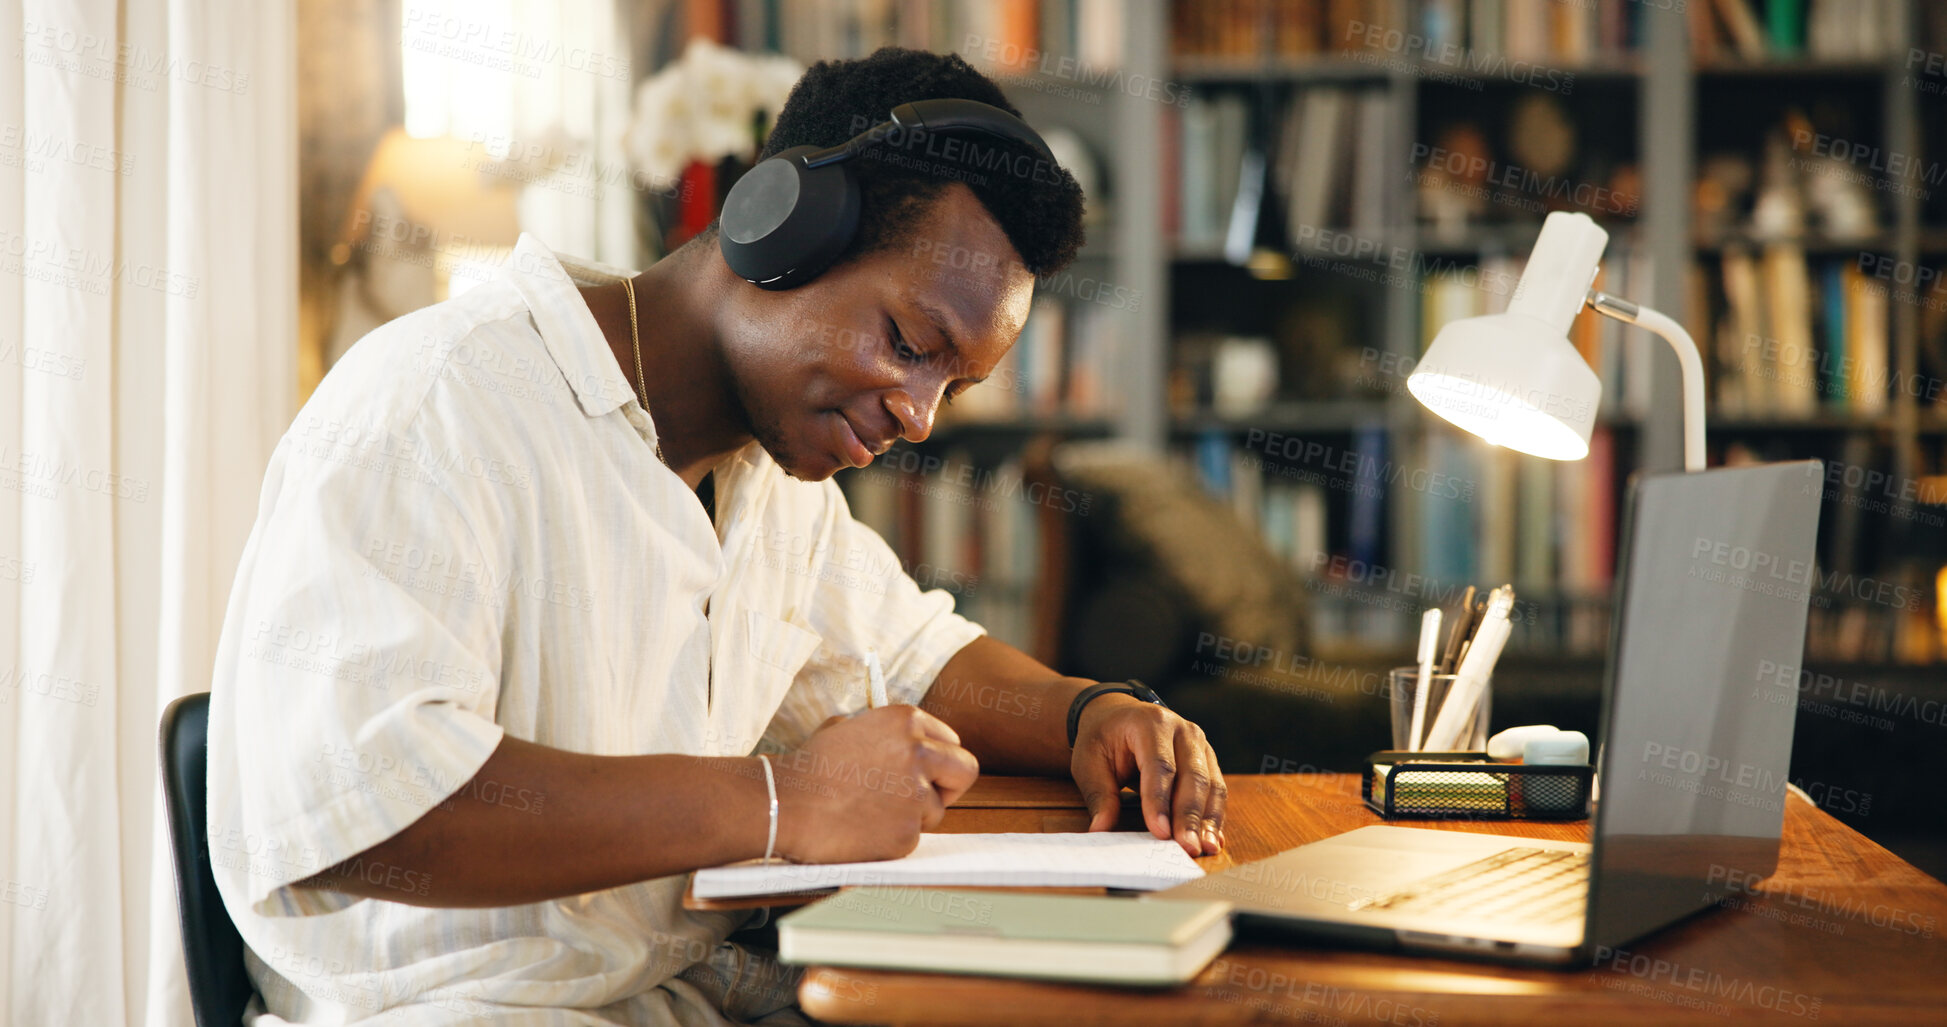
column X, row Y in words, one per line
column 459, row 60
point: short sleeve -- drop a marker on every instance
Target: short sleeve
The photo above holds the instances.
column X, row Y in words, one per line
column 863, row 598
column 358, row 673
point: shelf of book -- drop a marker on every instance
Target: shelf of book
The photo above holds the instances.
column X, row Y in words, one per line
column 1288, row 417
column 1798, row 348
column 1200, row 70
column 1321, row 102
column 1796, row 68
column 1878, row 242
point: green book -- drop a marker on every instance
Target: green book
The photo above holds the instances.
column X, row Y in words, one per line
column 1009, row 934
column 1785, row 24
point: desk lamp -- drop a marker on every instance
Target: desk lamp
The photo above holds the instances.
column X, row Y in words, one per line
column 1515, row 380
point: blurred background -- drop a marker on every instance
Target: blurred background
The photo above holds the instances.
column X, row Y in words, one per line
column 1199, row 466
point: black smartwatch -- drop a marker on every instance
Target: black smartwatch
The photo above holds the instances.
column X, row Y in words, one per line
column 1129, row 687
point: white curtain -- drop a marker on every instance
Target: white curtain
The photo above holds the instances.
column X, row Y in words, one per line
column 586, row 208
column 148, row 316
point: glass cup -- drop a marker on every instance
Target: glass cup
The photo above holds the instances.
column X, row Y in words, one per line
column 1404, row 682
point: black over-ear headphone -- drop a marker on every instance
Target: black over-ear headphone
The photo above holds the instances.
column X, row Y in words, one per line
column 792, row 215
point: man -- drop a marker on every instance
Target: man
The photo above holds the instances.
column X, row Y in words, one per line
column 519, row 610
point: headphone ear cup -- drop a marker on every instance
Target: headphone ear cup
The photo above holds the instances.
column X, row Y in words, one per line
column 783, row 223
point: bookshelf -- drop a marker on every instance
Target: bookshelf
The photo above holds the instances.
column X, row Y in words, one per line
column 1371, row 541
column 1645, row 89
column 1640, row 93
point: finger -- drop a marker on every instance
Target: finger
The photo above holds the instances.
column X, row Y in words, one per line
column 934, row 810
column 1192, row 798
column 1158, row 770
column 950, row 769
column 1101, row 791
column 932, row 726
column 1219, row 795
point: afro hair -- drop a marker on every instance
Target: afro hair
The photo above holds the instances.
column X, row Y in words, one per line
column 1041, row 213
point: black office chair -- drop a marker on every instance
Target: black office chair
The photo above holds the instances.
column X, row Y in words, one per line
column 219, row 989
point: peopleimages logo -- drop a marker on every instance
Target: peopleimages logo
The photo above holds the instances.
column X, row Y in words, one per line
column 1020, row 59
column 1516, row 179
column 1439, row 55
column 1755, row 570
column 503, row 49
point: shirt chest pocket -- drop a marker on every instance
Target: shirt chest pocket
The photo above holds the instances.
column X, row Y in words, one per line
column 754, row 669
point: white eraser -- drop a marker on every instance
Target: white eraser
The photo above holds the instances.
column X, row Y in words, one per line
column 1509, row 744
column 1563, row 748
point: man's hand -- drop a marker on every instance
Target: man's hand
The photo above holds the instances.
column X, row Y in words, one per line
column 864, row 787
column 1122, row 740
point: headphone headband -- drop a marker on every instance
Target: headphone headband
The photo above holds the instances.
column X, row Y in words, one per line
column 789, row 218
column 947, row 115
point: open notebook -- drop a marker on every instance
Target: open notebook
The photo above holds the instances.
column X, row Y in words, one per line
column 1134, row 860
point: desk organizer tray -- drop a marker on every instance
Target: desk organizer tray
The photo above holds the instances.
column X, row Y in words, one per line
column 1445, row 785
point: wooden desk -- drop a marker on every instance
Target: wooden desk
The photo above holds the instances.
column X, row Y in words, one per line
column 1844, row 933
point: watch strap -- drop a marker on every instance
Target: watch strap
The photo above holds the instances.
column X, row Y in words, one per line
column 1082, row 698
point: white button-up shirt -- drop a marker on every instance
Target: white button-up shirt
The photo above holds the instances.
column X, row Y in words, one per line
column 466, row 533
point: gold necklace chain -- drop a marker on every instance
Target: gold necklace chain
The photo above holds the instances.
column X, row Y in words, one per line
column 642, row 384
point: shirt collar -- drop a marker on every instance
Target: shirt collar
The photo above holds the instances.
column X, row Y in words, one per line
column 548, row 284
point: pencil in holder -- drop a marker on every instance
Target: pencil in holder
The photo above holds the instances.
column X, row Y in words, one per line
column 1467, row 785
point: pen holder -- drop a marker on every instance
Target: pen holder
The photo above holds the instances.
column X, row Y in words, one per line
column 1469, row 785
column 1405, row 681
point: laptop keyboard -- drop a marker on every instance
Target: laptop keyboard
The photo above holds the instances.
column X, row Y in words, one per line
column 1539, row 886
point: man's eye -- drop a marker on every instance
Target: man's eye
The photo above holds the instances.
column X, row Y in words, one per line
column 899, row 345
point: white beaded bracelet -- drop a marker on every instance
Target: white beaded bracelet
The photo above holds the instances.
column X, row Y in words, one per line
column 770, row 785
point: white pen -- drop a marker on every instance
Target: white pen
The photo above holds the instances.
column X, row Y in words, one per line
column 1429, row 641
column 1501, row 602
column 876, row 697
column 1470, row 681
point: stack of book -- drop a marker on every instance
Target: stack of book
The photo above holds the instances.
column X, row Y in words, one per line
column 1533, row 29
column 1098, row 940
column 1795, row 338
column 1070, row 39
column 1325, row 163
column 1823, row 29
column 1528, row 29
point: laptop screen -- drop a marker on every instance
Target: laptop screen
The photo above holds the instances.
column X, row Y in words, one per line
column 1702, row 690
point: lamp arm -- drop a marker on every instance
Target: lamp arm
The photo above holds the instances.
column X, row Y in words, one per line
column 1691, row 363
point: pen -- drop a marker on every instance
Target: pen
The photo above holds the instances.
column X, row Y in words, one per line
column 875, row 695
column 1459, row 632
column 1429, row 641
column 1463, row 699
column 1482, row 651
column 1475, row 616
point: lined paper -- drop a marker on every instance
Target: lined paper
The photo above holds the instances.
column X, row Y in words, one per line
column 1134, row 860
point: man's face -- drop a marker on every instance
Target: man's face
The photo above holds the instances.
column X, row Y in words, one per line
column 834, row 371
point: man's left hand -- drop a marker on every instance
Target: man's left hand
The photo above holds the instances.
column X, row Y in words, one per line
column 1122, row 740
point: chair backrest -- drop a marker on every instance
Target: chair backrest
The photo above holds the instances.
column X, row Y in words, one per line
column 212, row 949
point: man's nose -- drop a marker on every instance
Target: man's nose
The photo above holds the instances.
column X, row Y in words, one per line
column 915, row 421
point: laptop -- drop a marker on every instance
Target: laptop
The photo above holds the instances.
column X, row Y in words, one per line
column 1694, row 748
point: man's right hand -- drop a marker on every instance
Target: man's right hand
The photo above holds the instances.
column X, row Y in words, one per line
column 860, row 789
column 864, row 787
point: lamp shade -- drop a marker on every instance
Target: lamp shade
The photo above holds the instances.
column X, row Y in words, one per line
column 1513, row 378
column 1512, row 381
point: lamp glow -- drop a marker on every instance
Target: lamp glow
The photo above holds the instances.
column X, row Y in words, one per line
column 1515, row 380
